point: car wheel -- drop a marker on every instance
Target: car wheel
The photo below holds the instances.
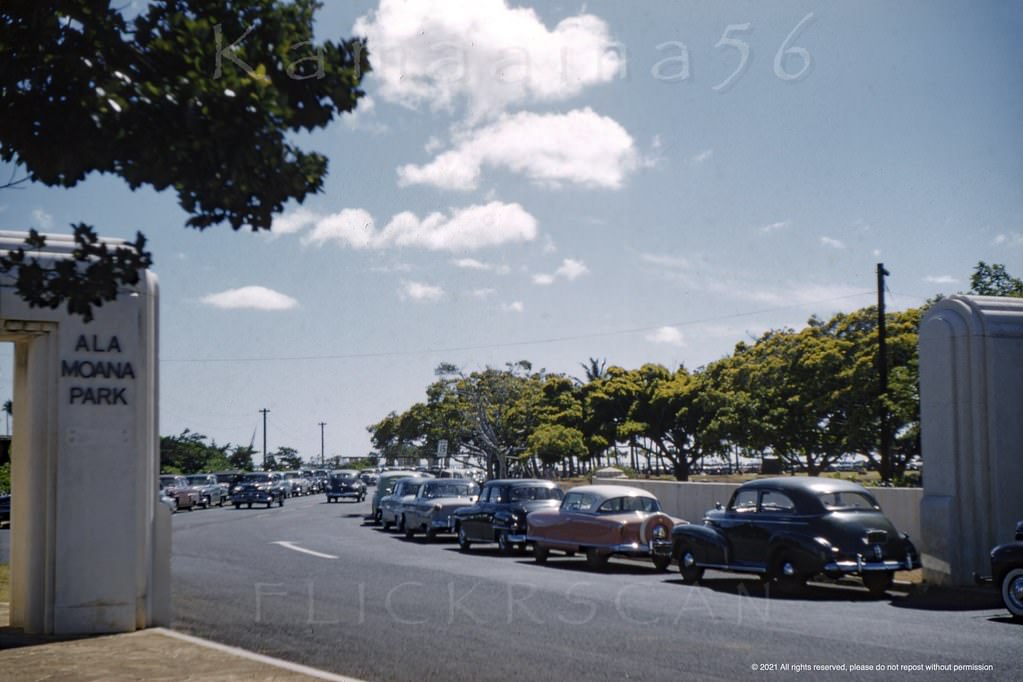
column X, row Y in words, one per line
column 431, row 534
column 503, row 545
column 376, row 516
column 237, row 505
column 662, row 561
column 280, row 502
column 249, row 506
column 687, row 568
column 269, row 503
column 595, row 560
column 463, row 540
column 206, row 503
column 540, row 553
column 786, row 572
column 877, row 583
column 1012, row 592
column 401, row 524
column 388, row 524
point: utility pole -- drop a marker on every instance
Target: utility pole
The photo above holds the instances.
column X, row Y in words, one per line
column 322, row 424
column 882, row 369
column 265, row 412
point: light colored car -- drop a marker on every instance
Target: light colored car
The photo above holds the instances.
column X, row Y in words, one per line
column 177, row 487
column 601, row 521
column 385, row 486
column 210, row 492
column 430, row 511
column 392, row 505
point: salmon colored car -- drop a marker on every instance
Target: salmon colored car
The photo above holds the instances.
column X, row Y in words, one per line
column 602, row 521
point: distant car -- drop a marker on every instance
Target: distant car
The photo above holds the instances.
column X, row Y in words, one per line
column 1007, row 573
column 178, row 488
column 790, row 528
column 298, row 484
column 259, row 488
column 5, row 510
column 499, row 514
column 391, row 506
column 210, row 492
column 165, row 499
column 385, row 486
column 227, row 480
column 431, row 509
column 344, row 484
column 603, row 521
column 368, row 477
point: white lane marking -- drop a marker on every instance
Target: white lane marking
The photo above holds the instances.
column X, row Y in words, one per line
column 242, row 653
column 292, row 545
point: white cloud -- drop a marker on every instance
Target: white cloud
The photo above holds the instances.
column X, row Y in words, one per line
column 252, row 298
column 485, row 53
column 352, row 227
column 667, row 335
column 293, row 221
column 665, row 261
column 941, row 279
column 701, row 158
column 832, row 243
column 464, row 229
column 580, row 148
column 513, row 307
column 473, row 264
column 482, row 293
column 569, row 269
column 543, row 280
column 361, row 118
column 417, row 291
column 42, row 219
column 774, row 227
column 1010, row 239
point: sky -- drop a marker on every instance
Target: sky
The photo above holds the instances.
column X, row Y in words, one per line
column 557, row 181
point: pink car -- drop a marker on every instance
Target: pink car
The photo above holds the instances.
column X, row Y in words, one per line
column 601, row 521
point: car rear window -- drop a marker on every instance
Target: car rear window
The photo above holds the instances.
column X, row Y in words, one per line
column 847, row 500
column 523, row 493
column 629, row 504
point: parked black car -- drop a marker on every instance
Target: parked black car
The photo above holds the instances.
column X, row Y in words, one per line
column 344, row 484
column 1007, row 573
column 788, row 529
column 259, row 488
column 500, row 513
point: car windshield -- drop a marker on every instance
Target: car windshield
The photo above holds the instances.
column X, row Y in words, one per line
column 629, row 504
column 524, row 494
column 409, row 488
column 847, row 500
column 449, row 490
column 166, row 481
column 197, row 480
column 256, row 478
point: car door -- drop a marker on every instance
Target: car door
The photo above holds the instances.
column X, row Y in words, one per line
column 498, row 496
column 738, row 523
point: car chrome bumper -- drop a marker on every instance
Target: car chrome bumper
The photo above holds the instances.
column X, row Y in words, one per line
column 516, row 537
column 860, row 566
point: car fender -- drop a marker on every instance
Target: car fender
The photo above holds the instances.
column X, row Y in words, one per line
column 810, row 556
column 708, row 544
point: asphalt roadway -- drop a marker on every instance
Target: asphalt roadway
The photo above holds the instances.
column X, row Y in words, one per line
column 312, row 583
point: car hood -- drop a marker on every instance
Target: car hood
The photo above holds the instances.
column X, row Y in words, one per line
column 535, row 505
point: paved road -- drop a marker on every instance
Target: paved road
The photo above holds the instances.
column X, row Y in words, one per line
column 311, row 583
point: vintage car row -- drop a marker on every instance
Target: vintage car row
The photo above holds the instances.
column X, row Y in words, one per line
column 430, row 511
column 785, row 530
column 788, row 529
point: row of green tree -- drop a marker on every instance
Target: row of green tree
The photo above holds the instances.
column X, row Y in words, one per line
column 809, row 397
column 192, row 452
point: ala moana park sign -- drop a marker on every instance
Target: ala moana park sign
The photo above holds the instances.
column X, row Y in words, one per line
column 90, row 545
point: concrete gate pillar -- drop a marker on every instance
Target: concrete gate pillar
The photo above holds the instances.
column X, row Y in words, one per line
column 90, row 545
column 971, row 418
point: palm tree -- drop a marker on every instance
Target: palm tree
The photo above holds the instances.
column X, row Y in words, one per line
column 595, row 369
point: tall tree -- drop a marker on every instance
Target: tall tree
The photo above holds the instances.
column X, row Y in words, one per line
column 198, row 96
column 994, row 280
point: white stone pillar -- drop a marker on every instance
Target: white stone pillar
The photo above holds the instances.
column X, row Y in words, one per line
column 971, row 417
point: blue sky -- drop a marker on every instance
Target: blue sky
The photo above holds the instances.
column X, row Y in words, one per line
column 583, row 180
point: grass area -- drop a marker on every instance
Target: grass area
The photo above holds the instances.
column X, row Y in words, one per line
column 5, row 583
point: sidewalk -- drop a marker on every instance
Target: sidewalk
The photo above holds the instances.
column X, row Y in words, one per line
column 154, row 654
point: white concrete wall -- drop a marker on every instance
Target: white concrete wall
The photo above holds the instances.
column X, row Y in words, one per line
column 971, row 418
column 689, row 500
column 89, row 551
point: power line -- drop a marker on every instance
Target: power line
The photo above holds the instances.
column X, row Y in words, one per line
column 513, row 344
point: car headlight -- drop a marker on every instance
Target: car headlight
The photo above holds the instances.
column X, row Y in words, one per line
column 660, row 532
